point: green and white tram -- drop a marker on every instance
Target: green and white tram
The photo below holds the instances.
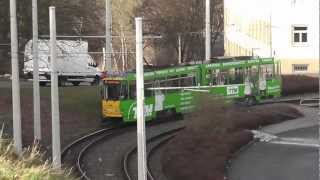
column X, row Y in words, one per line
column 172, row 90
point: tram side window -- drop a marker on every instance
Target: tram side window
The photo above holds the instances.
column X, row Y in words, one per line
column 253, row 73
column 231, row 76
column 132, row 91
column 123, row 91
column 105, row 92
column 188, row 81
column 147, row 92
column 222, row 78
column 115, row 91
column 212, row 77
column 173, row 81
column 238, row 76
column 267, row 71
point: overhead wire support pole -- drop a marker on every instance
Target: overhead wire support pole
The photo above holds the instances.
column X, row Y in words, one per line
column 56, row 146
column 179, row 49
column 36, row 88
column 108, row 62
column 141, row 132
column 16, row 107
column 208, row 31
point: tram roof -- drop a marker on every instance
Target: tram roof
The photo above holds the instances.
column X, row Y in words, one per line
column 217, row 62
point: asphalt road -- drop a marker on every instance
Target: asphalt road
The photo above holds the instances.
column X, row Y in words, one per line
column 264, row 161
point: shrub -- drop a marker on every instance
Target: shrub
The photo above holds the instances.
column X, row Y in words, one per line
column 213, row 134
column 297, row 84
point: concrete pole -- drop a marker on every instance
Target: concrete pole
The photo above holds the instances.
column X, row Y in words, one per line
column 108, row 62
column 16, row 108
column 104, row 58
column 142, row 168
column 179, row 48
column 56, row 154
column 36, row 88
column 208, row 31
column 270, row 33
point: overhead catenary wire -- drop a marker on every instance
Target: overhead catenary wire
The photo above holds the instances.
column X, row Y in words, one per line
column 101, row 36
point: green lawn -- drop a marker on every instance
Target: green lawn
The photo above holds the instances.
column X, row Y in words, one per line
column 80, row 110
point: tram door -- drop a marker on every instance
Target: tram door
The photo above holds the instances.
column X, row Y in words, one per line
column 266, row 74
column 251, row 81
column 159, row 97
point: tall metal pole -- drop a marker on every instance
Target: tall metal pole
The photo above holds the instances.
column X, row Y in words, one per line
column 16, row 109
column 104, row 58
column 36, row 88
column 179, row 48
column 270, row 33
column 108, row 62
column 142, row 168
column 208, row 31
column 56, row 154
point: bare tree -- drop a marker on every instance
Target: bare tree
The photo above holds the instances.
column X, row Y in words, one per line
column 185, row 17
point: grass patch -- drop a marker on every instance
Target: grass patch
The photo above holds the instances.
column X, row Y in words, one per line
column 213, row 134
column 29, row 166
column 80, row 110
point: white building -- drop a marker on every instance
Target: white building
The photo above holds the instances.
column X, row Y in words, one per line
column 285, row 29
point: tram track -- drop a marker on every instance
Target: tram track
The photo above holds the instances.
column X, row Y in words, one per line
column 161, row 139
column 74, row 152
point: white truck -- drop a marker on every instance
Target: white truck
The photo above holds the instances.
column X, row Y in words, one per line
column 74, row 64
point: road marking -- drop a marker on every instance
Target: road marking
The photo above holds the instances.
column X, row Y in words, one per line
column 273, row 139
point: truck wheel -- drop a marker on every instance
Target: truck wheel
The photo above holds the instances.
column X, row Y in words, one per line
column 76, row 83
column 96, row 81
column 62, row 82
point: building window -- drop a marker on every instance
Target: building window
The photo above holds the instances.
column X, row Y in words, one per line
column 300, row 68
column 300, row 35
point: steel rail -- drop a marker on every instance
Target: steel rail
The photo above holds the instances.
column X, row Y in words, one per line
column 82, row 139
column 84, row 151
column 133, row 149
column 87, row 141
column 152, row 151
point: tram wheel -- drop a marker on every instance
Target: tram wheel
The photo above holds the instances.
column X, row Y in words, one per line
column 250, row 101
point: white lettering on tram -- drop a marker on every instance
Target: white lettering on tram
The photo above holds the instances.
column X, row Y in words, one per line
column 148, row 109
column 232, row 90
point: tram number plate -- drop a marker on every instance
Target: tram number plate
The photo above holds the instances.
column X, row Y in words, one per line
column 232, row 90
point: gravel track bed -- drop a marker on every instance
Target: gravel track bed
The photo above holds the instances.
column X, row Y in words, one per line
column 104, row 160
column 133, row 161
column 70, row 154
column 155, row 162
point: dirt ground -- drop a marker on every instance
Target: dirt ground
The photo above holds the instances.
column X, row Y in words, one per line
column 213, row 134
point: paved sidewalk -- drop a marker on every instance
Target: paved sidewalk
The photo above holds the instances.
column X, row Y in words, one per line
column 266, row 161
column 311, row 118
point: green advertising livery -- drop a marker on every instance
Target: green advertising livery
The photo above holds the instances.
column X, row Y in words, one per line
column 172, row 90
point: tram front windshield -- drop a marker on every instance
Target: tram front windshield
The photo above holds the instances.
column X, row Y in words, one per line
column 114, row 90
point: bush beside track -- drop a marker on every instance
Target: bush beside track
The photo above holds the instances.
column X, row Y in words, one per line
column 299, row 84
column 213, row 134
